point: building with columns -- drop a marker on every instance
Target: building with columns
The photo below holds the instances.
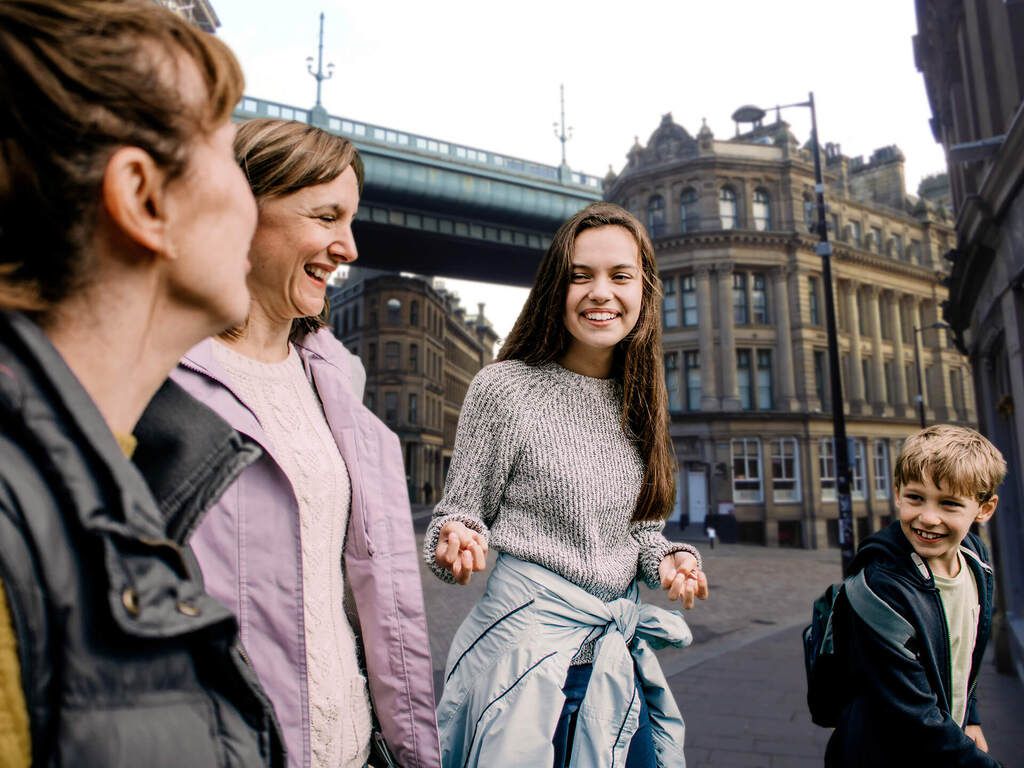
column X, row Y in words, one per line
column 972, row 57
column 746, row 360
column 420, row 350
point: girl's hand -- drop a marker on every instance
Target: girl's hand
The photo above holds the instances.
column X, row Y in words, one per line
column 682, row 578
column 460, row 551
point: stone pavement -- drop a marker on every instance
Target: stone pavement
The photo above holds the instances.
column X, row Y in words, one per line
column 741, row 684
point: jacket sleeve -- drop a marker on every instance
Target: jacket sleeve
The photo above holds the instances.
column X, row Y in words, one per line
column 653, row 548
column 900, row 695
column 15, row 741
column 490, row 426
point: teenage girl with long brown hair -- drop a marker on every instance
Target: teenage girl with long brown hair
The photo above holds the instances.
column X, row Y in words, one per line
column 563, row 464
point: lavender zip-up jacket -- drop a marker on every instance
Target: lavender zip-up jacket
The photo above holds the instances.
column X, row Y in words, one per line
column 248, row 547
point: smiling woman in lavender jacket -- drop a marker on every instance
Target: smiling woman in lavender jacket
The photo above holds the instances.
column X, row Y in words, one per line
column 326, row 507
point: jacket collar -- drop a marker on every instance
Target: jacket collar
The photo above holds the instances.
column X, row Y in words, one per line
column 189, row 456
column 891, row 545
column 58, row 414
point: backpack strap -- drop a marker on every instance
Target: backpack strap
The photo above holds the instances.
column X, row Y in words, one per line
column 878, row 614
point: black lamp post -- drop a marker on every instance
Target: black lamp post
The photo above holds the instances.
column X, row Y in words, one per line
column 917, row 367
column 751, row 114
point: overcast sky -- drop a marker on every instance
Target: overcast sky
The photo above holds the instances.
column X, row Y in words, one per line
column 487, row 74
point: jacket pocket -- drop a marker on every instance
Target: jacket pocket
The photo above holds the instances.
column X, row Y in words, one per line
column 162, row 734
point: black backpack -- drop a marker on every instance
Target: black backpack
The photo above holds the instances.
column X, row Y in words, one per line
column 828, row 686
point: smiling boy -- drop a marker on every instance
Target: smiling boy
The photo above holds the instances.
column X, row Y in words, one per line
column 915, row 703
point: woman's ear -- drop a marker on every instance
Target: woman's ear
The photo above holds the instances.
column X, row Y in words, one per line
column 134, row 198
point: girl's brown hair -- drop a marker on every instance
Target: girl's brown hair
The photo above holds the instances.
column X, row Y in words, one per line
column 280, row 157
column 78, row 79
column 540, row 336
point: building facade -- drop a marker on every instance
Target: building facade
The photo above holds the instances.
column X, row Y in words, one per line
column 420, row 350
column 972, row 58
column 199, row 12
column 746, row 360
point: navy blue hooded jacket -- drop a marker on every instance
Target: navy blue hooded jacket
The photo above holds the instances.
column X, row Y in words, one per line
column 900, row 711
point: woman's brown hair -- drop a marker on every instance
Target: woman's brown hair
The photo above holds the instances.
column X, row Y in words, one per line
column 280, row 157
column 78, row 79
column 539, row 336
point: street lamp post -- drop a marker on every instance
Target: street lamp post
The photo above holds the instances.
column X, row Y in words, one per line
column 824, row 250
column 319, row 75
column 917, row 367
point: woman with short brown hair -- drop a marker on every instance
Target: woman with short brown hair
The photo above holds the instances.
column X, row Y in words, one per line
column 124, row 230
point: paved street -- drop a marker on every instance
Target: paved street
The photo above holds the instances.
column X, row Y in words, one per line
column 741, row 684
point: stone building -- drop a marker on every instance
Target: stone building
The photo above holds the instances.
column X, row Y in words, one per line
column 746, row 360
column 972, row 58
column 420, row 350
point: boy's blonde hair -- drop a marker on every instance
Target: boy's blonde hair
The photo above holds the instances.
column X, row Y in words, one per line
column 957, row 459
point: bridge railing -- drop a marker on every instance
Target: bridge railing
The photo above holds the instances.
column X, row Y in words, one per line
column 378, row 134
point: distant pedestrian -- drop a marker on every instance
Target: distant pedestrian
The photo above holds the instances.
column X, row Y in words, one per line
column 915, row 702
column 428, row 492
column 124, row 234
column 563, row 463
column 325, row 511
column 712, row 536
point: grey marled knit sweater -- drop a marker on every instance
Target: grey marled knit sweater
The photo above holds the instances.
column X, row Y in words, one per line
column 543, row 468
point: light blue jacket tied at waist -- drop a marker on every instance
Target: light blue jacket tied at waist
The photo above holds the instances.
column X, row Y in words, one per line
column 509, row 661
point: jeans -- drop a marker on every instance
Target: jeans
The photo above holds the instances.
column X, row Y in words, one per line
column 641, row 748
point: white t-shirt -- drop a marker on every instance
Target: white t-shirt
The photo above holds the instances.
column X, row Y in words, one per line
column 962, row 607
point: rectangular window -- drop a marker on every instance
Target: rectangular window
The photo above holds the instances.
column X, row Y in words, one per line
column 897, row 247
column 857, row 462
column 812, row 297
column 414, row 416
column 746, row 470
column 669, row 304
column 391, row 407
column 880, row 453
column 956, row 388
column 740, row 308
column 743, row 378
column 689, row 295
column 391, row 355
column 821, row 379
column 759, row 300
column 876, row 236
column 855, row 233
column 827, row 468
column 785, row 470
column 371, row 401
column 414, row 357
column 414, row 313
column 371, row 357
column 916, row 252
column 672, row 381
column 691, row 361
column 765, row 401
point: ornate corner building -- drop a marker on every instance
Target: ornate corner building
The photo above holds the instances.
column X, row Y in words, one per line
column 972, row 57
column 420, row 350
column 746, row 361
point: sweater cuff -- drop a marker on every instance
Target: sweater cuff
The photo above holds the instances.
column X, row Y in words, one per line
column 650, row 560
column 433, row 533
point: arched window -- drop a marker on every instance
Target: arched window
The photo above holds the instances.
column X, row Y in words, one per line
column 656, row 215
column 689, row 216
column 727, row 210
column 762, row 210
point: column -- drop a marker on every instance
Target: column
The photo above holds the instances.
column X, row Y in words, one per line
column 709, row 398
column 899, row 363
column 945, row 408
column 786, row 401
column 877, row 367
column 922, row 359
column 856, row 398
column 729, row 391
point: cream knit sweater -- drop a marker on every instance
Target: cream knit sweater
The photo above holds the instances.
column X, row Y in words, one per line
column 301, row 443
